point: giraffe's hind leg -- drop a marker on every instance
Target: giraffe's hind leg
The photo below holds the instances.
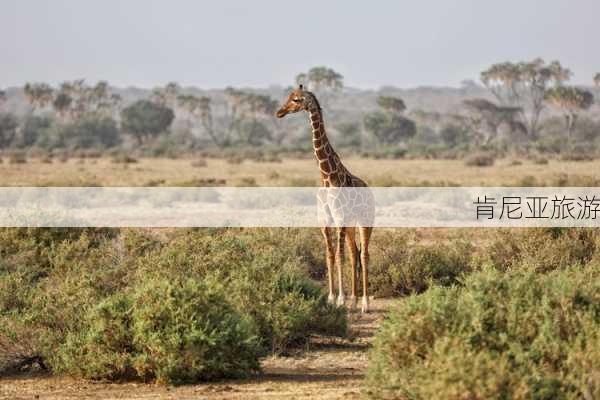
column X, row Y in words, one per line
column 353, row 255
column 365, row 237
column 330, row 259
column 339, row 258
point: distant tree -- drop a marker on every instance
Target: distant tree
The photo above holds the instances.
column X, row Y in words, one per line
column 200, row 108
column 391, row 104
column 102, row 100
column 389, row 128
column 486, row 117
column 523, row 85
column 62, row 104
column 571, row 101
column 258, row 107
column 33, row 128
column 597, row 79
column 90, row 131
column 38, row 95
column 74, row 99
column 167, row 95
column 233, row 113
column 8, row 129
column 319, row 78
column 349, row 134
column 2, row 99
column 247, row 115
column 452, row 135
column 145, row 119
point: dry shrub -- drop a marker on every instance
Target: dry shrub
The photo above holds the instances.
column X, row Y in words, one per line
column 235, row 159
column 480, row 160
column 274, row 175
column 540, row 249
column 398, row 267
column 121, row 158
column 199, row 163
column 519, row 335
column 17, row 157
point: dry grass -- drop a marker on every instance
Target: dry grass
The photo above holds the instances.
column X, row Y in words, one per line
column 289, row 172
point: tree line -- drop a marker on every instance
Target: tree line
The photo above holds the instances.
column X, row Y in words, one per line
column 78, row 115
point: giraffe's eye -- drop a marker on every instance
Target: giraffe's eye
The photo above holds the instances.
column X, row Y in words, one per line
column 296, row 100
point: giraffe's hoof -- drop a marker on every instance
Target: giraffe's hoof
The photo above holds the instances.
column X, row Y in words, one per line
column 331, row 298
column 352, row 303
column 365, row 305
column 341, row 300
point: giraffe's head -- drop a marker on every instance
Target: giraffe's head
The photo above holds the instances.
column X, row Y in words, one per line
column 298, row 100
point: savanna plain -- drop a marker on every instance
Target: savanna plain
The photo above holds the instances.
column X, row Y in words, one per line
column 242, row 313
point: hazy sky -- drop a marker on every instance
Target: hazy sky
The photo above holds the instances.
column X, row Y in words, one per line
column 257, row 43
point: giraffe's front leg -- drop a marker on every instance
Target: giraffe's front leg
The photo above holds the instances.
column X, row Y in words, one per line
column 353, row 255
column 341, row 238
column 330, row 260
column 365, row 235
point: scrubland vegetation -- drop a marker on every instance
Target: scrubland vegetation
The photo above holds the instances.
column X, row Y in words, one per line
column 131, row 304
column 519, row 334
column 489, row 313
column 515, row 317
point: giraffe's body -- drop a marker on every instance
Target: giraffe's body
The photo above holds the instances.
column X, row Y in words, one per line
column 335, row 204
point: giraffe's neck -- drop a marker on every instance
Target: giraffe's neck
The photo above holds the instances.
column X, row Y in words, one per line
column 330, row 166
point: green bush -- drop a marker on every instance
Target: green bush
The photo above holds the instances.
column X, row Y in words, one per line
column 266, row 278
column 516, row 335
column 103, row 347
column 168, row 331
column 156, row 306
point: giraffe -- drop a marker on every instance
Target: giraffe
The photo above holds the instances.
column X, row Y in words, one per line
column 335, row 175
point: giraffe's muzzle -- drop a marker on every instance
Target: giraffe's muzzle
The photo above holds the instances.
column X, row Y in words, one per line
column 281, row 113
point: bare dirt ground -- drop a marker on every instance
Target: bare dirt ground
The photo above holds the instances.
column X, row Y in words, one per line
column 327, row 369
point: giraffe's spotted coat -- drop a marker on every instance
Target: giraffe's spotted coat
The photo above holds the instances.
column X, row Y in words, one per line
column 346, row 209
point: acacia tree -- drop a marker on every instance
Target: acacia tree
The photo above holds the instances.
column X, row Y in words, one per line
column 167, row 95
column 258, row 107
column 571, row 101
column 234, row 100
column 2, row 99
column 245, row 118
column 247, row 115
column 38, row 95
column 524, row 85
column 200, row 108
column 597, row 79
column 319, row 78
column 220, row 131
column 73, row 99
column 145, row 119
column 390, row 126
column 391, row 104
column 485, row 118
